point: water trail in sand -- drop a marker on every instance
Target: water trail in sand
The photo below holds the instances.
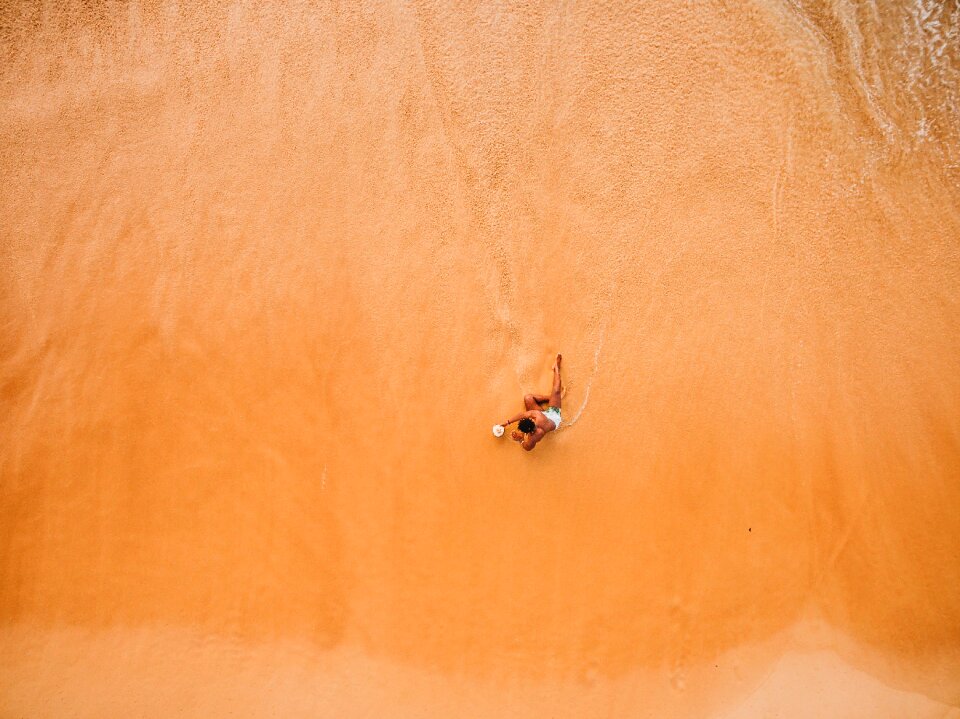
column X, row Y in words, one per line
column 593, row 373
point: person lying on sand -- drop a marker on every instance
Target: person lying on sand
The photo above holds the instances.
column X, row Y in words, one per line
column 535, row 422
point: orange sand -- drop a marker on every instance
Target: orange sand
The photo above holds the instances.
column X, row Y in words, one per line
column 269, row 275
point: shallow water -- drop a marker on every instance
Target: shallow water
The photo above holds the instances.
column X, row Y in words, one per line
column 269, row 275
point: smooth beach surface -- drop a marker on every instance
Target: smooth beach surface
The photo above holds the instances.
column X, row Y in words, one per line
column 270, row 273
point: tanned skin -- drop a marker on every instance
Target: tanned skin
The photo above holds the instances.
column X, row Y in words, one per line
column 535, row 405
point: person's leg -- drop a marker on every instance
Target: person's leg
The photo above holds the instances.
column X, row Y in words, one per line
column 538, row 400
column 557, row 393
column 535, row 401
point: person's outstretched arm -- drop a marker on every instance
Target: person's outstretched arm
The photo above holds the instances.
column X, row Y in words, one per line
column 515, row 418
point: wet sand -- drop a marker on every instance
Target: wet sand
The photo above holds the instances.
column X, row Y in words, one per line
column 269, row 275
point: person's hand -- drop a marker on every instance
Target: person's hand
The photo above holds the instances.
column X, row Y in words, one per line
column 516, row 436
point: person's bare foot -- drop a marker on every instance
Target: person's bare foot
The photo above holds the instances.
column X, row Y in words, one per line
column 556, row 365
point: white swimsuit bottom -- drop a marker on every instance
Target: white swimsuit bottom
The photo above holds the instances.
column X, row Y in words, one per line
column 553, row 414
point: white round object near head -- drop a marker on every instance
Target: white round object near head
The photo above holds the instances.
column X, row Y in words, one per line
column 498, row 430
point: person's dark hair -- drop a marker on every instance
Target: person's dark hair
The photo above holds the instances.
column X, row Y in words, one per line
column 526, row 425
